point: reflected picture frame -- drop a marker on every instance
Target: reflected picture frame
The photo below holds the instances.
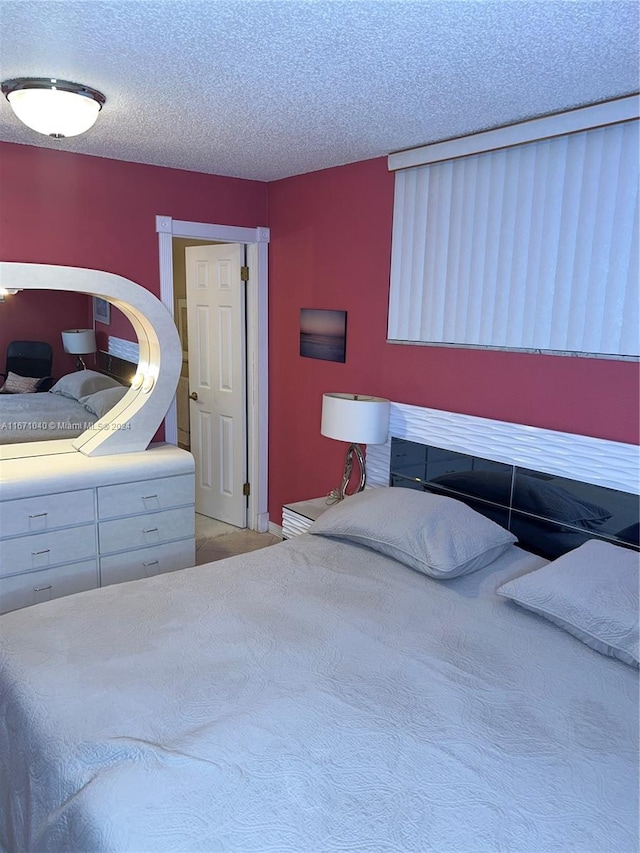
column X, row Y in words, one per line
column 101, row 310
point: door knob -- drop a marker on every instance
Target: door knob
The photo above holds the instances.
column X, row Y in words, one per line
column 193, row 396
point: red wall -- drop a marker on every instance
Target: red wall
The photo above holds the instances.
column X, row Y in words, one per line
column 41, row 315
column 330, row 248
column 118, row 327
column 75, row 210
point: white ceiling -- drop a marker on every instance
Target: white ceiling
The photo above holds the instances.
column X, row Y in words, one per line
column 265, row 89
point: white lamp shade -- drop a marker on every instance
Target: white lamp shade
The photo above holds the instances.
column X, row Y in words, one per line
column 356, row 418
column 79, row 341
column 54, row 112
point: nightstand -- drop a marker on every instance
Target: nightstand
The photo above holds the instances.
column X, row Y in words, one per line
column 298, row 517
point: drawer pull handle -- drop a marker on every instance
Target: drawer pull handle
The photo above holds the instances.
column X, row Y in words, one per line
column 151, row 530
column 151, row 563
column 148, row 497
column 41, row 588
column 37, row 553
column 38, row 514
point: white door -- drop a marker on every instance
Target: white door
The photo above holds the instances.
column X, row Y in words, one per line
column 217, row 383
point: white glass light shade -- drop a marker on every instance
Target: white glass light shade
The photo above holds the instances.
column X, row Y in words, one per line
column 79, row 341
column 53, row 112
column 356, row 418
column 53, row 107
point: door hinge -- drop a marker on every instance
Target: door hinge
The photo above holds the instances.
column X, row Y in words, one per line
column 244, row 273
column 246, row 490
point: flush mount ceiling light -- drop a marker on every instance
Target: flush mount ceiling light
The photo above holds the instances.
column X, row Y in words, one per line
column 53, row 107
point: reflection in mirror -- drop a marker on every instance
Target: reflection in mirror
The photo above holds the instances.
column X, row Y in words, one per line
column 133, row 422
column 43, row 396
column 73, row 404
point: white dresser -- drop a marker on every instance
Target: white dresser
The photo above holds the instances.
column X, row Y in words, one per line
column 69, row 522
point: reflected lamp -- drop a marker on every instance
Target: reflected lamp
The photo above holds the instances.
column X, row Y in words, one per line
column 79, row 342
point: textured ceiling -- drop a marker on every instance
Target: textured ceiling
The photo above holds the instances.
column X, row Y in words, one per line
column 262, row 89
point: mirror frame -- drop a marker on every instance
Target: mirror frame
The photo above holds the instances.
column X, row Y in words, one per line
column 132, row 423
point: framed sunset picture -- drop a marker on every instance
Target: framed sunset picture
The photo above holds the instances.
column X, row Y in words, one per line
column 323, row 334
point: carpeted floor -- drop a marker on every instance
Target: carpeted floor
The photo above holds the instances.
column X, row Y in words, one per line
column 216, row 540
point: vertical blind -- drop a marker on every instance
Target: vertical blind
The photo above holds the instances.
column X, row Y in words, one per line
column 531, row 247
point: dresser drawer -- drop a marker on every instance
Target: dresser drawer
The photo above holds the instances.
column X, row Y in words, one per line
column 41, row 550
column 34, row 587
column 140, row 531
column 146, row 562
column 48, row 512
column 145, row 496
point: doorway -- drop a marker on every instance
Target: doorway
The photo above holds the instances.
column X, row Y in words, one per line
column 181, row 317
column 216, row 322
column 255, row 244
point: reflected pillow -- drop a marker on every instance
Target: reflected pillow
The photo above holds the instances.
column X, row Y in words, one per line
column 630, row 534
column 591, row 592
column 436, row 535
column 15, row 384
column 82, row 383
column 531, row 494
column 103, row 401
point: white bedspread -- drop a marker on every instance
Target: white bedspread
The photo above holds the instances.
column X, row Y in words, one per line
column 41, row 417
column 312, row 697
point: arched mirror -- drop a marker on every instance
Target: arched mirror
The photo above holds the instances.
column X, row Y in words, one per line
column 122, row 420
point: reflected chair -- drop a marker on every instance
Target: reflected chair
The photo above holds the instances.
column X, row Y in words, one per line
column 30, row 358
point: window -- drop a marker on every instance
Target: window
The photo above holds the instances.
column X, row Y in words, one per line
column 522, row 238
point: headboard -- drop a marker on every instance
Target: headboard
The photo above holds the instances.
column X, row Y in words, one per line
column 549, row 514
column 117, row 368
column 504, row 469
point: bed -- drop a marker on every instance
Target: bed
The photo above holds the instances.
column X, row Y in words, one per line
column 71, row 406
column 388, row 681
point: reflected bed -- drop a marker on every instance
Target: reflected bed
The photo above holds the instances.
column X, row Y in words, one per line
column 41, row 417
column 72, row 405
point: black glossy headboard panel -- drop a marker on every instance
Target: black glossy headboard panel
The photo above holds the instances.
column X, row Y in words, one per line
column 117, row 368
column 550, row 515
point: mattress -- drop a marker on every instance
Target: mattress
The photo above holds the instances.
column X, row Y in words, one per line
column 41, row 417
column 313, row 696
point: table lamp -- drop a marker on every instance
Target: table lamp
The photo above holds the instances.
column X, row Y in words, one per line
column 358, row 419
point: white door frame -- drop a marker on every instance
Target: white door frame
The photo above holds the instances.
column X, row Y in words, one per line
column 257, row 243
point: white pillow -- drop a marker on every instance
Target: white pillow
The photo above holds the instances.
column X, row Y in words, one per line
column 15, row 384
column 436, row 535
column 82, row 383
column 591, row 592
column 102, row 401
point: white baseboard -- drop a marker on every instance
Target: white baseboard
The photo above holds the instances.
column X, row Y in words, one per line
column 275, row 529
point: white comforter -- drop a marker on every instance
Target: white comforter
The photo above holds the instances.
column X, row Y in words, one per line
column 41, row 417
column 312, row 697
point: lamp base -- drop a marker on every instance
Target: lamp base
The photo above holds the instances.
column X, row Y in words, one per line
column 80, row 365
column 340, row 493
